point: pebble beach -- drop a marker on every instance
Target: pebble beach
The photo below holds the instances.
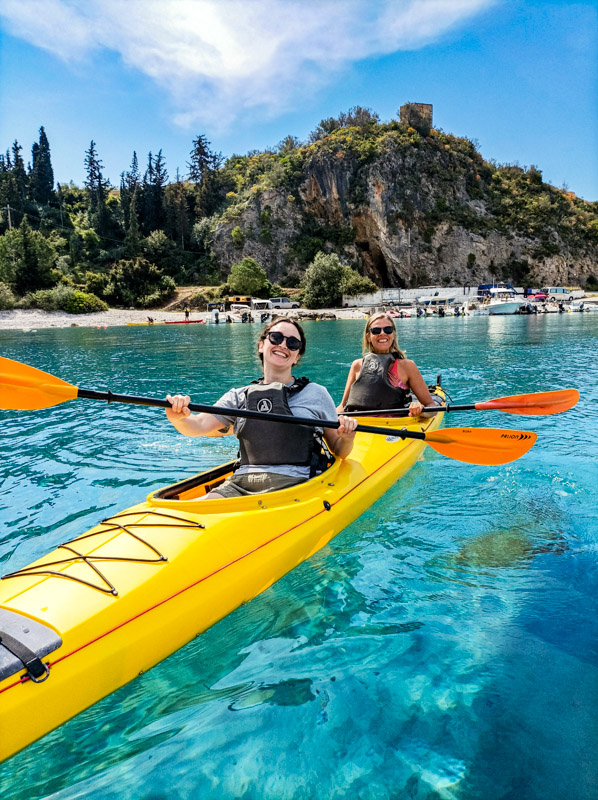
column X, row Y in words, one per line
column 34, row 319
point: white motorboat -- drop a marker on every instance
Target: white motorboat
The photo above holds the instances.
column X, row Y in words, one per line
column 502, row 300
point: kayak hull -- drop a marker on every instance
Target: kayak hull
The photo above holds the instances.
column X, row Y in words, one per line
column 190, row 563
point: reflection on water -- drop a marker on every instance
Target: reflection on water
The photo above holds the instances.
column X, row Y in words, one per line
column 443, row 646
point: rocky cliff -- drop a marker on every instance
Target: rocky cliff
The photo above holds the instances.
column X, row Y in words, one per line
column 405, row 211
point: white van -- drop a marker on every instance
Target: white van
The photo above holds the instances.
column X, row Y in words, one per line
column 283, row 302
column 559, row 294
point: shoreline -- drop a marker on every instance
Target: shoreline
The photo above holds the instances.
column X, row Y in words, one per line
column 35, row 319
column 28, row 320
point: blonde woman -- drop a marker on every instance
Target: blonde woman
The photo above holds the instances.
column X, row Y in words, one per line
column 384, row 378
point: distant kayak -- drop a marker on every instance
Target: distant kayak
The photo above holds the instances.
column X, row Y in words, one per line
column 173, row 322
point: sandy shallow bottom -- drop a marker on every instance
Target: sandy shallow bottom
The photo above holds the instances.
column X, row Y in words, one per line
column 33, row 319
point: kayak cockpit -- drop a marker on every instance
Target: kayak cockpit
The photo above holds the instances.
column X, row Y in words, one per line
column 197, row 486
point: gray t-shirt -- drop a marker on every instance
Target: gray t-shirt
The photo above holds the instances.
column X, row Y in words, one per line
column 312, row 401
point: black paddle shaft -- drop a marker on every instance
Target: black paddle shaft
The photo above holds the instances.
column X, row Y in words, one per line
column 404, row 412
column 310, row 422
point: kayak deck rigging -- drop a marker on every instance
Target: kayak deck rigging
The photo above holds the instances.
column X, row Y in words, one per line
column 108, row 587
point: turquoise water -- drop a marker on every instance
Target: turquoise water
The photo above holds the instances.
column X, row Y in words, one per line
column 445, row 645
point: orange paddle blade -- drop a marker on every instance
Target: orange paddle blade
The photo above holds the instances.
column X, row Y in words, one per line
column 481, row 445
column 538, row 403
column 25, row 388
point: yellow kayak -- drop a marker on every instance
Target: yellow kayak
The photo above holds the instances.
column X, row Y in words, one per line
column 115, row 601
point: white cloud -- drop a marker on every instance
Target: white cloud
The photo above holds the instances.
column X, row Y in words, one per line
column 217, row 58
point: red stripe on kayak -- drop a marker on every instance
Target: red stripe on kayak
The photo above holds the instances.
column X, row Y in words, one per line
column 25, row 678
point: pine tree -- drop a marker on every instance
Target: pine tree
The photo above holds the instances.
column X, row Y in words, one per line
column 202, row 159
column 95, row 184
column 42, row 174
column 203, row 172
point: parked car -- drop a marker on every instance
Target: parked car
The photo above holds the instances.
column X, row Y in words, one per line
column 559, row 294
column 538, row 296
column 283, row 302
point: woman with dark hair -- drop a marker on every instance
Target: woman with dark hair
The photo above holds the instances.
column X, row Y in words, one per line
column 274, row 455
column 384, row 378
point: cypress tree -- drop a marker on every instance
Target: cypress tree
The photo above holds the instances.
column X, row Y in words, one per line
column 177, row 212
column 145, row 205
column 132, row 242
column 154, row 181
column 19, row 174
column 129, row 184
column 42, row 174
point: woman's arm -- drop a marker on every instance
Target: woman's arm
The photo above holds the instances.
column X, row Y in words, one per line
column 340, row 440
column 419, row 388
column 192, row 424
column 351, row 378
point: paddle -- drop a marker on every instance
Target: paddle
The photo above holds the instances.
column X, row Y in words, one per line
column 25, row 388
column 527, row 404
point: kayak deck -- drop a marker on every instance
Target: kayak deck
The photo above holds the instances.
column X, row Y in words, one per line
column 141, row 584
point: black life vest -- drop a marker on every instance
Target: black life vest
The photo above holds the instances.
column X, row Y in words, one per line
column 373, row 390
column 275, row 443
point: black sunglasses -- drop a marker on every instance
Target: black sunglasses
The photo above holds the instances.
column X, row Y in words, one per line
column 386, row 329
column 276, row 337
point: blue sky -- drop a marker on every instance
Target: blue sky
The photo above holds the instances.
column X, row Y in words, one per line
column 520, row 78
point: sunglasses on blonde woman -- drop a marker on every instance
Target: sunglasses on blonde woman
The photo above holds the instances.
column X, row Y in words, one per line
column 387, row 329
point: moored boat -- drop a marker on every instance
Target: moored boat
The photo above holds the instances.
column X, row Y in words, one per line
column 502, row 301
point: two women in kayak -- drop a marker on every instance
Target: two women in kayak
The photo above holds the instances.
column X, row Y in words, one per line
column 272, row 455
column 275, row 455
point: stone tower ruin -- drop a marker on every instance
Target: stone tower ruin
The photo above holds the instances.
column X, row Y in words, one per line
column 418, row 116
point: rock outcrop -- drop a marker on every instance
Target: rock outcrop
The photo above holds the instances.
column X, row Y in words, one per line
column 408, row 211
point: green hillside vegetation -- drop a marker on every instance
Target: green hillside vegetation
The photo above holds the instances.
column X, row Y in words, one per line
column 79, row 247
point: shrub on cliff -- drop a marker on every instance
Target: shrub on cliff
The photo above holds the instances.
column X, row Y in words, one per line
column 326, row 280
column 321, row 283
column 247, row 277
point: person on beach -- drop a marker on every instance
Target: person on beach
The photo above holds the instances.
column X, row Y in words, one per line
column 187, row 312
column 384, row 378
column 274, row 455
